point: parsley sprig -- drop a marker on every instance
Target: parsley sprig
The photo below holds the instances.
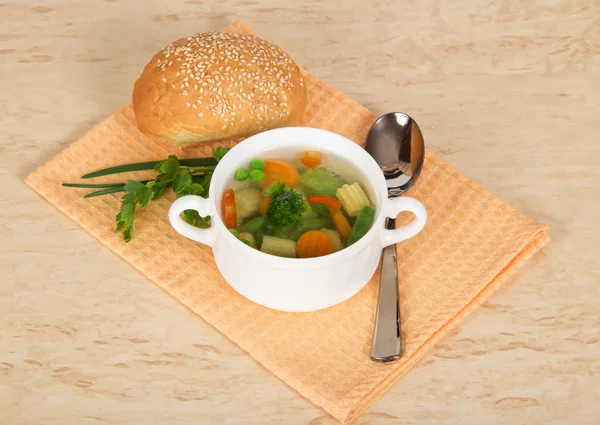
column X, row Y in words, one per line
column 184, row 177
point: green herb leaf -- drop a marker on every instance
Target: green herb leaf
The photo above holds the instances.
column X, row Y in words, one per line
column 182, row 180
column 167, row 171
column 191, row 189
column 129, row 202
column 168, row 166
column 204, row 179
column 143, row 195
column 125, row 215
column 157, row 191
column 132, row 185
column 128, row 197
column 219, row 152
column 193, row 217
column 128, row 231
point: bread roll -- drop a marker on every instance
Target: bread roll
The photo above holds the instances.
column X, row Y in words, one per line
column 215, row 86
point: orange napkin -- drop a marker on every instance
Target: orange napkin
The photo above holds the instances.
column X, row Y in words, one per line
column 472, row 243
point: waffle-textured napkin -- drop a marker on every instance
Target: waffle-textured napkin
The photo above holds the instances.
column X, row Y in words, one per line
column 472, row 243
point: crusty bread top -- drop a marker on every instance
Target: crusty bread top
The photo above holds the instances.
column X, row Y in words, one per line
column 213, row 86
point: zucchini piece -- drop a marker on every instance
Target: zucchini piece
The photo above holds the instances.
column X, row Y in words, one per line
column 319, row 181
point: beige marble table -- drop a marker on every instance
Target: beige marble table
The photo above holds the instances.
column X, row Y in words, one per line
column 507, row 91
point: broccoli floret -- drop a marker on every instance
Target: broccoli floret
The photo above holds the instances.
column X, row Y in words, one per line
column 285, row 209
column 276, row 189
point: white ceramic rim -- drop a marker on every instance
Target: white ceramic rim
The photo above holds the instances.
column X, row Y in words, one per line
column 257, row 144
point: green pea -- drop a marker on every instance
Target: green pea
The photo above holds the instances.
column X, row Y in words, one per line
column 257, row 164
column 235, row 233
column 241, row 174
column 256, row 175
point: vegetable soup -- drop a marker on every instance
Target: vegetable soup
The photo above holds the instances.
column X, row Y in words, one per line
column 298, row 204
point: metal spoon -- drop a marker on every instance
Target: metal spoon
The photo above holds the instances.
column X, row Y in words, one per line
column 396, row 143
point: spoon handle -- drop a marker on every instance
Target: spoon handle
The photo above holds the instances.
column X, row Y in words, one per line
column 386, row 344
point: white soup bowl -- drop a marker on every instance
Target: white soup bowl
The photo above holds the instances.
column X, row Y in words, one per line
column 297, row 284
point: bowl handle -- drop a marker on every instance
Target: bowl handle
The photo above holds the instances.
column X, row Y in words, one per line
column 197, row 203
column 394, row 206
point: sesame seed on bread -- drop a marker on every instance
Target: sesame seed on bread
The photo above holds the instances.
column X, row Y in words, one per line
column 216, row 86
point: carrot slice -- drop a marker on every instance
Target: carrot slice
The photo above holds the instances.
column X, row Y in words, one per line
column 229, row 213
column 342, row 225
column 333, row 204
column 311, row 158
column 264, row 206
column 314, row 243
column 279, row 171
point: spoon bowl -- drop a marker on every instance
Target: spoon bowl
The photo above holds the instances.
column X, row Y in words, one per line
column 395, row 141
